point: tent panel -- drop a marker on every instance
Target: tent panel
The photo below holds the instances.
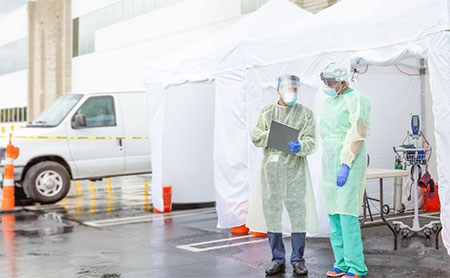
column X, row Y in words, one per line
column 156, row 115
column 188, row 127
column 439, row 63
column 230, row 152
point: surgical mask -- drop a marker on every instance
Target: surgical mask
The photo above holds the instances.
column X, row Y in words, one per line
column 330, row 92
column 289, row 98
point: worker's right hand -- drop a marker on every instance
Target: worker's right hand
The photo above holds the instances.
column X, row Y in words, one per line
column 294, row 146
column 342, row 175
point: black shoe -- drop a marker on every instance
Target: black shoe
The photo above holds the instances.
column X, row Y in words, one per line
column 275, row 268
column 300, row 269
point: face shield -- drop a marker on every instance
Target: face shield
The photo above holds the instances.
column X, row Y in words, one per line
column 288, row 86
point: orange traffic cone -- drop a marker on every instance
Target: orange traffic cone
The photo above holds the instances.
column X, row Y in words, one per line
column 167, row 200
column 8, row 177
column 240, row 230
column 258, row 234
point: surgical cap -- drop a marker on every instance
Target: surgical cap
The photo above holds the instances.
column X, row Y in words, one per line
column 334, row 72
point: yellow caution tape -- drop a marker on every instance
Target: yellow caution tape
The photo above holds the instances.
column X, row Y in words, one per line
column 74, row 138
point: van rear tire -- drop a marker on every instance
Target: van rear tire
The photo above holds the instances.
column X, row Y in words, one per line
column 47, row 182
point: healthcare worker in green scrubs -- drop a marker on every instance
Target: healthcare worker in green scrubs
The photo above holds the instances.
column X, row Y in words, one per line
column 344, row 127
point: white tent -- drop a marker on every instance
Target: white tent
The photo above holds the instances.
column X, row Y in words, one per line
column 379, row 31
column 197, row 61
column 183, row 117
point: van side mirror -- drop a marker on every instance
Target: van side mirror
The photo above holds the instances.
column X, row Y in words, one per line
column 79, row 121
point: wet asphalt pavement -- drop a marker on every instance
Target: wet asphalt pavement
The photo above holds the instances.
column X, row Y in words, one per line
column 107, row 229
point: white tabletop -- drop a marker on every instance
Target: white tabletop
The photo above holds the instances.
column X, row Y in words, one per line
column 376, row 173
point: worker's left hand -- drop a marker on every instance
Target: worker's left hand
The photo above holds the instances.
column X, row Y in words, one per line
column 342, row 175
column 294, row 146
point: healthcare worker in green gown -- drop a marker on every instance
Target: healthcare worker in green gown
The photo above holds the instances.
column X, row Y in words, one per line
column 284, row 178
column 344, row 127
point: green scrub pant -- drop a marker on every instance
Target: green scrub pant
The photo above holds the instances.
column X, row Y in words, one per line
column 345, row 238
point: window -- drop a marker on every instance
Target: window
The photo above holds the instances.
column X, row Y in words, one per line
column 9, row 115
column 248, row 6
column 99, row 111
column 13, row 56
column 84, row 27
column 57, row 111
column 75, row 39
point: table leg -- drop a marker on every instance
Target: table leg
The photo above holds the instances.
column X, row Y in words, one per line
column 437, row 237
column 364, row 211
column 368, row 208
column 382, row 214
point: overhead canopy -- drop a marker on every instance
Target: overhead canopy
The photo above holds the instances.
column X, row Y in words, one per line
column 346, row 26
column 197, row 61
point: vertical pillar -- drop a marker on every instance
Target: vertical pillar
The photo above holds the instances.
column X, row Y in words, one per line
column 314, row 6
column 49, row 53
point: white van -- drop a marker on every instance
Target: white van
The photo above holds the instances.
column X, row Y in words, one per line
column 81, row 136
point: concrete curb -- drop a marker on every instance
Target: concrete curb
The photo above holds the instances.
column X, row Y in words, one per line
column 16, row 209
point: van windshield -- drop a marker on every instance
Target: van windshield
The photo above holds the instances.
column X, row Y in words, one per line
column 57, row 111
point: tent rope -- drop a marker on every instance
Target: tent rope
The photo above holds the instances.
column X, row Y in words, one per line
column 408, row 74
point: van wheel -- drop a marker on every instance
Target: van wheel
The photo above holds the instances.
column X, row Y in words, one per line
column 47, row 182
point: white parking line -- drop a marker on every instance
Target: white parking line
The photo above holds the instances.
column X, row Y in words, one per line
column 191, row 247
column 145, row 218
column 433, row 217
column 377, row 218
column 43, row 207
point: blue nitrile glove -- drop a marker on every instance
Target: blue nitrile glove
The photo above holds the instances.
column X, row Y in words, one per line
column 342, row 175
column 294, row 146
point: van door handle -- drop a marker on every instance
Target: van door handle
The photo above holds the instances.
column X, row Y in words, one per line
column 120, row 142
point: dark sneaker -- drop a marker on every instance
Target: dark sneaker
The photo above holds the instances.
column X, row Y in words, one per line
column 275, row 268
column 300, row 269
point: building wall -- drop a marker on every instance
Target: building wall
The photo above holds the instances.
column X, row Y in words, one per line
column 13, row 63
column 119, row 51
column 120, row 55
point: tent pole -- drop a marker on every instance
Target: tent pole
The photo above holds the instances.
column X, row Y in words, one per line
column 422, row 71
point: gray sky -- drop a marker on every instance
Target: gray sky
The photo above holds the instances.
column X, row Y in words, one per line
column 6, row 6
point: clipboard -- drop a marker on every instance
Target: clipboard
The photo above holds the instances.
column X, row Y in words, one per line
column 280, row 135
